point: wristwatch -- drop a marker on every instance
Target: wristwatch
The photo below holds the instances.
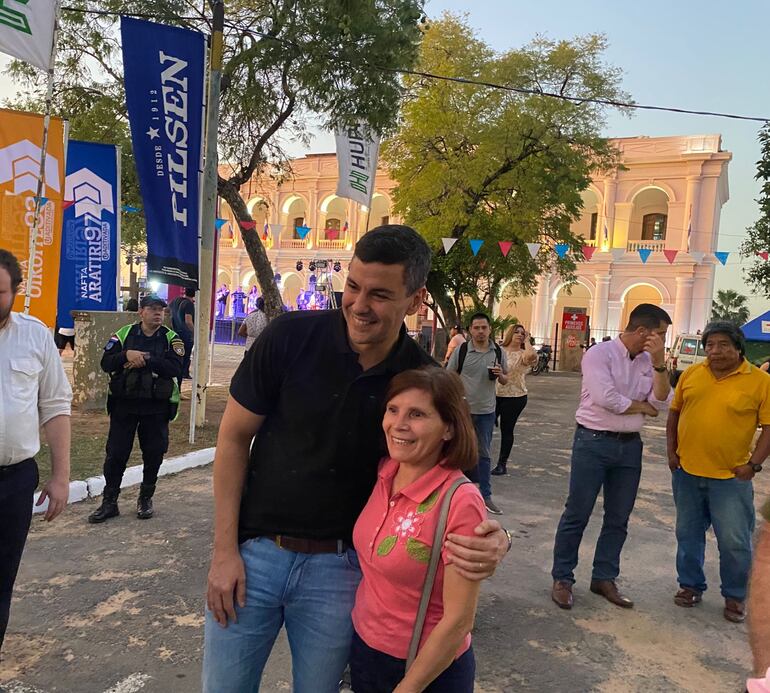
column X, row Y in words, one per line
column 659, row 369
column 756, row 467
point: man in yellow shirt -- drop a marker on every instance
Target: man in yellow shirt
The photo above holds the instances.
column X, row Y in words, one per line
column 717, row 407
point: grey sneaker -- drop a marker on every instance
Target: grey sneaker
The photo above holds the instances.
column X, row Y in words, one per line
column 491, row 507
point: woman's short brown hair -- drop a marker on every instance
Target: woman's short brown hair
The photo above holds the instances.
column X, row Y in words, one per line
column 448, row 395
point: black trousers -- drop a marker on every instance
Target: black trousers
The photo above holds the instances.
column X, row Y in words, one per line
column 188, row 347
column 17, row 487
column 508, row 409
column 153, row 441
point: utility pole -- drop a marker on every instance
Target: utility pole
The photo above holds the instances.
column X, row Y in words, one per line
column 208, row 214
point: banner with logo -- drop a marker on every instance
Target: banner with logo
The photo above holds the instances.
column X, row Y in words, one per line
column 357, row 151
column 21, row 140
column 26, row 30
column 88, row 273
column 164, row 70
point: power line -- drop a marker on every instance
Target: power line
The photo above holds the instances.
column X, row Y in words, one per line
column 458, row 80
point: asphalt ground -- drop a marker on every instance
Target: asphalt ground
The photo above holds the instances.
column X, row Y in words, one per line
column 118, row 607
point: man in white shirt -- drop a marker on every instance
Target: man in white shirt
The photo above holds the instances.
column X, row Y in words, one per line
column 34, row 392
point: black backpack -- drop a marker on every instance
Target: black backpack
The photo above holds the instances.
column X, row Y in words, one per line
column 464, row 352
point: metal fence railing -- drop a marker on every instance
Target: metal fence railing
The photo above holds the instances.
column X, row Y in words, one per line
column 226, row 331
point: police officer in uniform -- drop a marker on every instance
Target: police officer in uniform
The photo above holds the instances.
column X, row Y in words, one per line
column 143, row 360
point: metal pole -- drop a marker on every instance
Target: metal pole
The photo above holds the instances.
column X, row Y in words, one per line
column 41, row 175
column 208, row 216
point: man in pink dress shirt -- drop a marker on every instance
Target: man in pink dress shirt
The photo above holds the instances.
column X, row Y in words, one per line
column 624, row 381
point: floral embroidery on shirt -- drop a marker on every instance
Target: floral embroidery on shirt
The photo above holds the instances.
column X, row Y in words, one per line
column 429, row 502
column 386, row 545
column 417, row 550
column 407, row 525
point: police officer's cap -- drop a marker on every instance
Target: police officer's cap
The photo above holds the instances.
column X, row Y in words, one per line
column 152, row 300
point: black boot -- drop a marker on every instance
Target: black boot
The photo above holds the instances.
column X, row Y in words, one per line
column 108, row 508
column 144, row 502
column 500, row 469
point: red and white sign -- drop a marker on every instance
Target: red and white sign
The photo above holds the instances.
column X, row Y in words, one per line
column 572, row 341
column 574, row 322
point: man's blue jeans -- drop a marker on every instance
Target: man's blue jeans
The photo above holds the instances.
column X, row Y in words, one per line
column 598, row 462
column 312, row 594
column 727, row 505
column 481, row 474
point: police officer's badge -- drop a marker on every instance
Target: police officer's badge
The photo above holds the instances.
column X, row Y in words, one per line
column 178, row 346
column 112, row 342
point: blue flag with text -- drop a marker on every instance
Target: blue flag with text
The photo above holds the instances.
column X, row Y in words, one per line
column 88, row 269
column 164, row 69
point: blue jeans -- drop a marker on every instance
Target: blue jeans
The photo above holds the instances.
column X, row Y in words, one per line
column 598, row 462
column 312, row 594
column 727, row 505
column 481, row 474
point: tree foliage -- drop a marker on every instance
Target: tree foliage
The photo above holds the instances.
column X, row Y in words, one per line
column 730, row 305
column 287, row 64
column 473, row 162
column 758, row 234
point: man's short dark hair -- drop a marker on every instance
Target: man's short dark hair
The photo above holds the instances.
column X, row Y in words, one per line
column 11, row 265
column 397, row 244
column 729, row 329
column 647, row 315
column 190, row 293
column 479, row 316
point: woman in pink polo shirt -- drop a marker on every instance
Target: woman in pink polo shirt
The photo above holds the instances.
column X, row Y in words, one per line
column 431, row 441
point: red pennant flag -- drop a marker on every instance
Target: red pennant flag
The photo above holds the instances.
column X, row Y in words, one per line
column 505, row 247
column 332, row 234
column 248, row 225
column 67, row 203
column 764, row 255
column 588, row 251
column 670, row 255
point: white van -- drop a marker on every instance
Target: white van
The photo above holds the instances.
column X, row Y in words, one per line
column 686, row 352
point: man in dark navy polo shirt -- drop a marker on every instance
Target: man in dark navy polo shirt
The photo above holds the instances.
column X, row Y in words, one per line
column 311, row 389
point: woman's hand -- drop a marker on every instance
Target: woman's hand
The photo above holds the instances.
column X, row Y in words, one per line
column 477, row 558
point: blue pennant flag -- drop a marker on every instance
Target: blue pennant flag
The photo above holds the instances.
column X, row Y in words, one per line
column 303, row 231
column 219, row 223
column 721, row 255
column 561, row 250
column 644, row 253
column 129, row 209
column 476, row 244
column 42, row 200
column 88, row 265
column 164, row 76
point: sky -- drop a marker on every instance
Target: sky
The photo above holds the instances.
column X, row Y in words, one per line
column 693, row 54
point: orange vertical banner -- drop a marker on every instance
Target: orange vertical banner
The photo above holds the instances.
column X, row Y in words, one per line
column 21, row 140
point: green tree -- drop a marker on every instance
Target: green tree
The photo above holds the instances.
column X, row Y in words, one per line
column 480, row 163
column 758, row 234
column 287, row 63
column 730, row 305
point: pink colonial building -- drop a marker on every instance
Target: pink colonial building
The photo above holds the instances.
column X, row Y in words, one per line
column 665, row 186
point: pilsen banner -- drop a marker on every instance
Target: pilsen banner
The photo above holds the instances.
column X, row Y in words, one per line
column 164, row 70
column 21, row 141
column 88, row 275
column 357, row 151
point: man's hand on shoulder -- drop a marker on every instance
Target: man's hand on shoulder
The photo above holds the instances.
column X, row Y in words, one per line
column 476, row 558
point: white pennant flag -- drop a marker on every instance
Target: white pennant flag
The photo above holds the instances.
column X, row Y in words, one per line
column 26, row 30
column 618, row 253
column 534, row 249
column 697, row 256
column 357, row 150
column 448, row 243
column 275, row 229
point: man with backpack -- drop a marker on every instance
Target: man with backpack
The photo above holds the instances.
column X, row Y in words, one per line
column 182, row 310
column 480, row 363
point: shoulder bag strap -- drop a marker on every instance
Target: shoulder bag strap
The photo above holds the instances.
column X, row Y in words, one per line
column 430, row 577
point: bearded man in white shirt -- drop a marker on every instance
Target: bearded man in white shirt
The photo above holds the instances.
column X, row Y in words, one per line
column 34, row 392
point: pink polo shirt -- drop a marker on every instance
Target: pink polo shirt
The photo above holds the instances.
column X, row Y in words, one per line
column 392, row 536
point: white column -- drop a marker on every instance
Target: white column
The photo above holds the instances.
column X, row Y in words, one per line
column 608, row 212
column 540, row 327
column 614, row 315
column 599, row 308
column 691, row 204
column 683, row 304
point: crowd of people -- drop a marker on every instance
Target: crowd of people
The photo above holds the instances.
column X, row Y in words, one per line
column 350, row 520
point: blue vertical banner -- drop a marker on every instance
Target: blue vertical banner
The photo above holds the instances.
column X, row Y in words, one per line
column 88, row 270
column 164, row 69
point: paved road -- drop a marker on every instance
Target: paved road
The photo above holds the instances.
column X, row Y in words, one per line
column 118, row 607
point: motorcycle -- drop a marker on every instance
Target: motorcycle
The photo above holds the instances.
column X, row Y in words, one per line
column 542, row 365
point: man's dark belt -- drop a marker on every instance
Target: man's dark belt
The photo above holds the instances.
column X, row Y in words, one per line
column 307, row 545
column 610, row 434
column 7, row 468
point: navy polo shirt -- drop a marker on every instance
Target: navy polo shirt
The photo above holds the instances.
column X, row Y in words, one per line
column 314, row 462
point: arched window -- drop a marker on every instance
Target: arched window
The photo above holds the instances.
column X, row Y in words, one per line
column 298, row 221
column 654, row 227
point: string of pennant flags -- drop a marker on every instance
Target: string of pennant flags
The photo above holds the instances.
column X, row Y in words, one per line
column 588, row 251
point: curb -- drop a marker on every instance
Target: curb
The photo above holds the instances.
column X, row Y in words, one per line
column 93, row 486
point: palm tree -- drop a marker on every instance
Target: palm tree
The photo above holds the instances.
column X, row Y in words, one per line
column 730, row 305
